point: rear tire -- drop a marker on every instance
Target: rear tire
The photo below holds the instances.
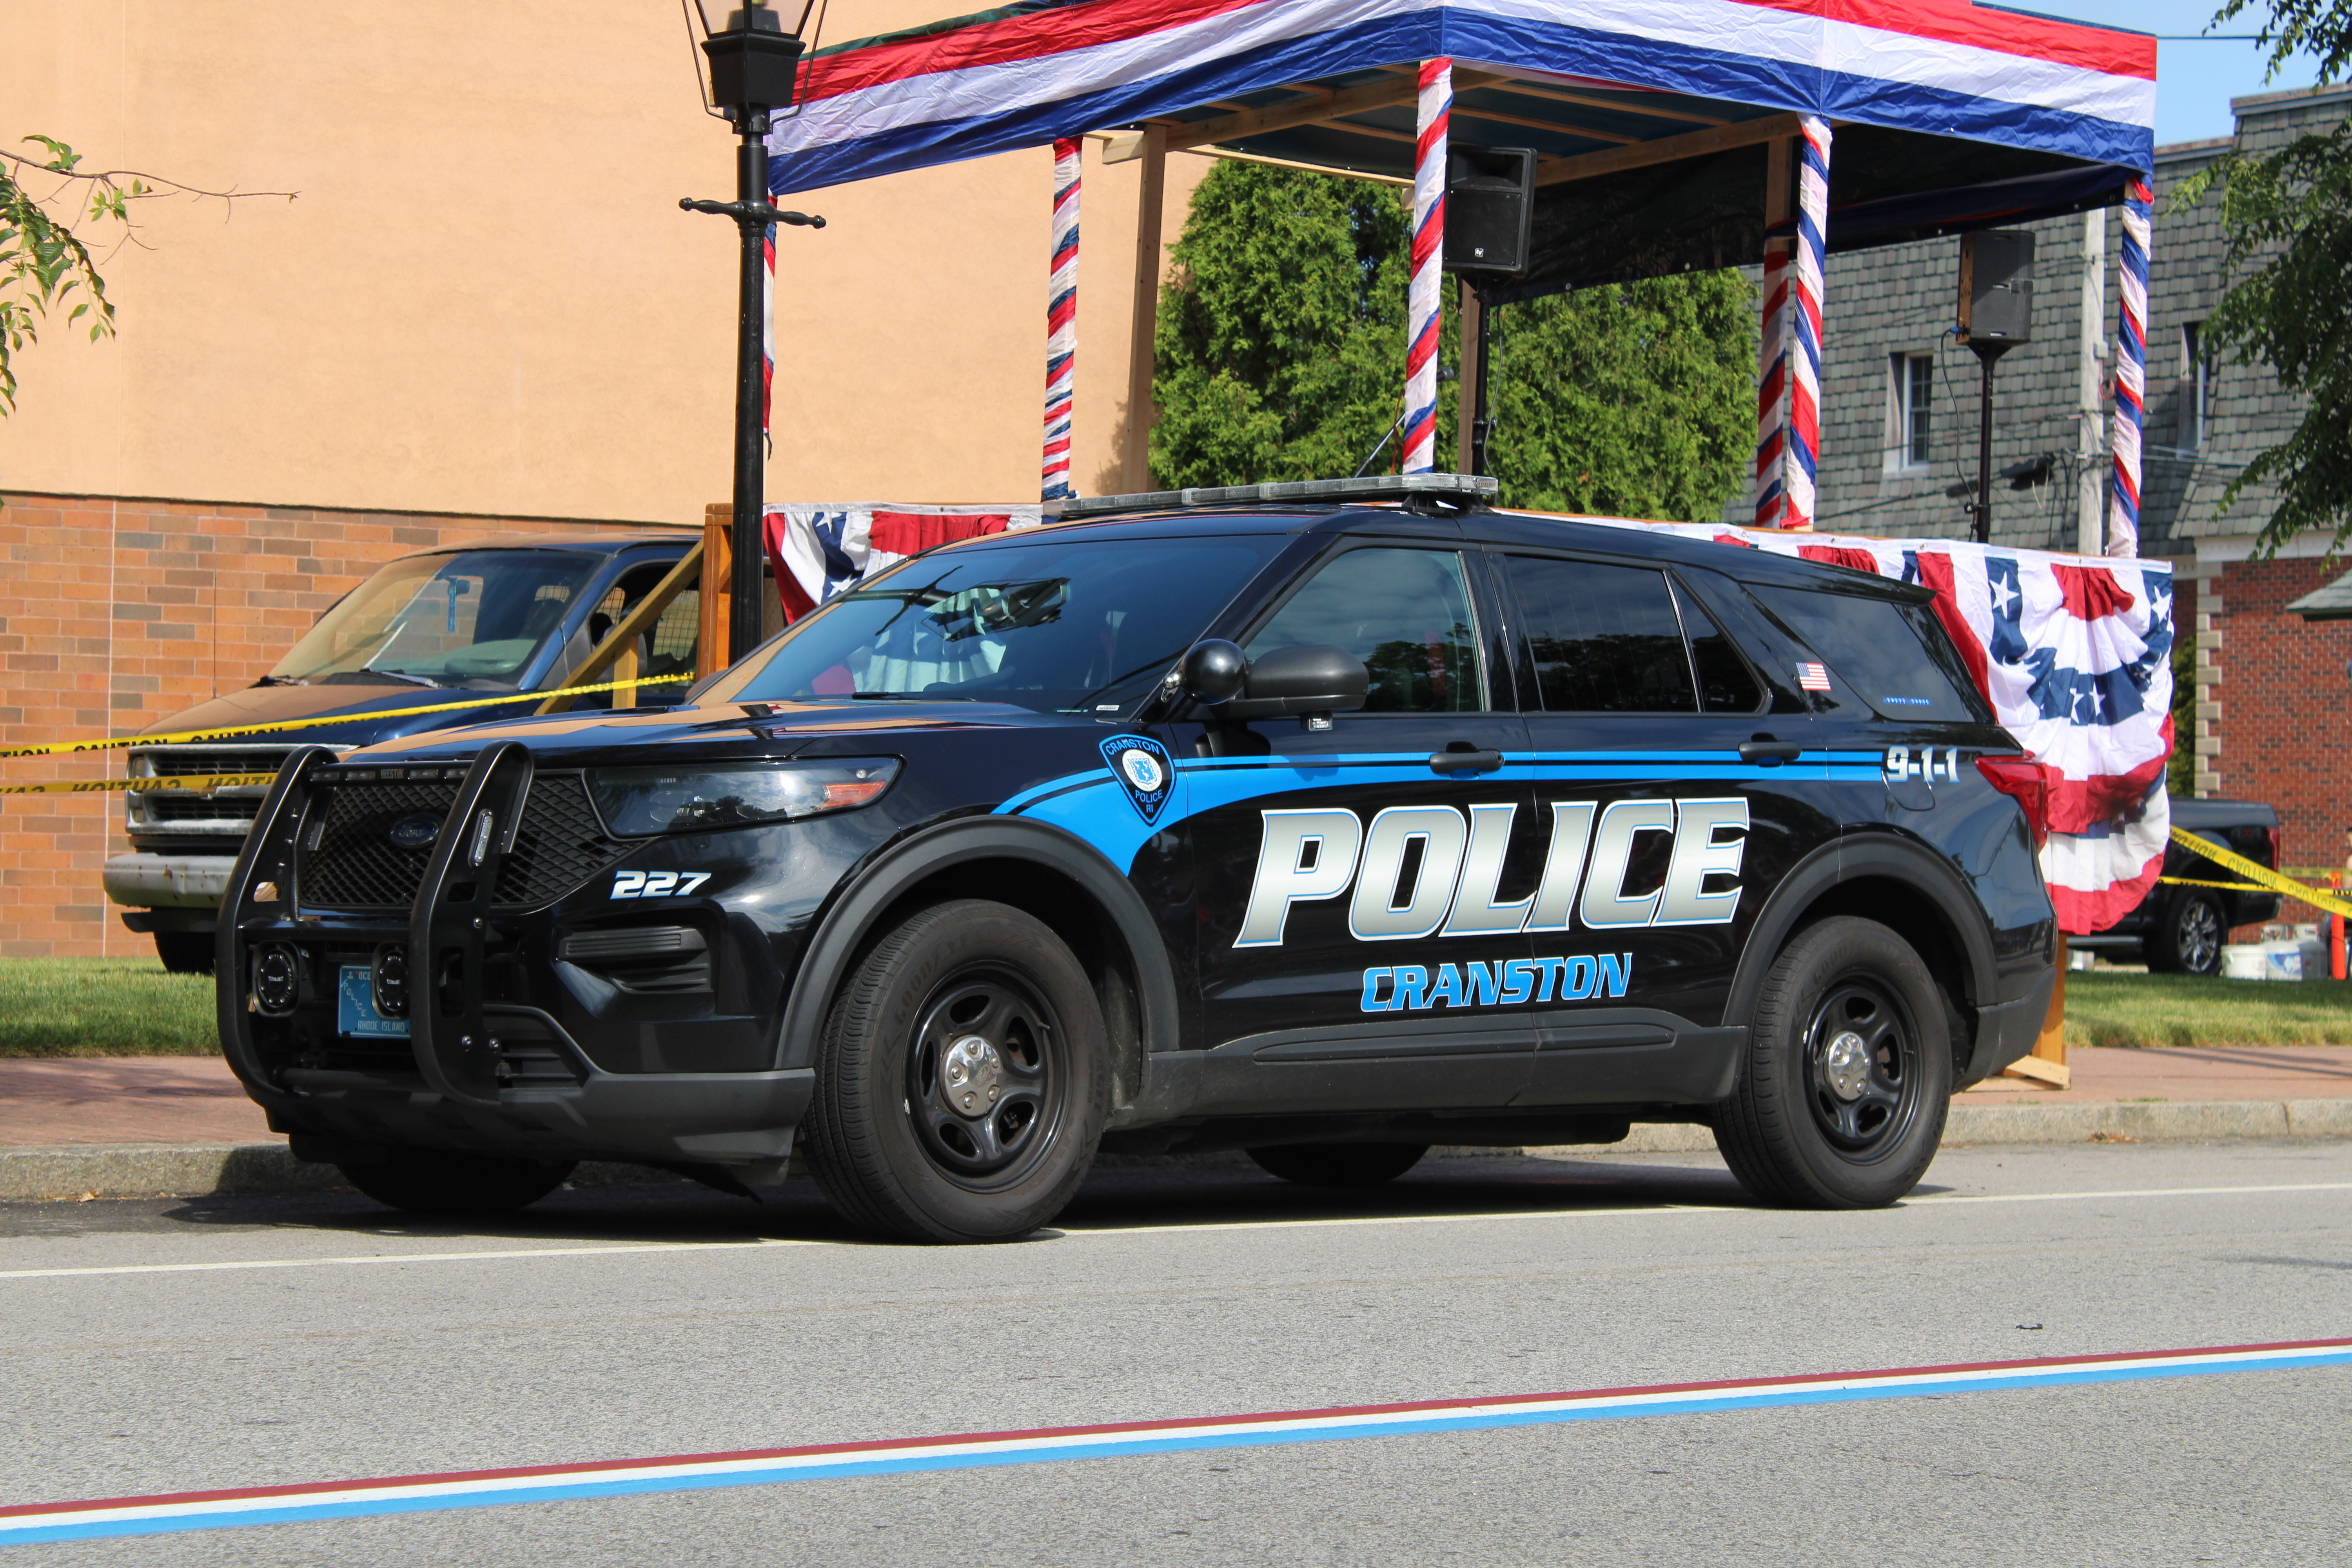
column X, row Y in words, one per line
column 1848, row 1077
column 961, row 1083
column 444, row 1182
column 2187, row 936
column 184, row 952
column 1338, row 1164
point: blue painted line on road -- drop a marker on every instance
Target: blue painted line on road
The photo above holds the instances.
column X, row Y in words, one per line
column 29, row 1524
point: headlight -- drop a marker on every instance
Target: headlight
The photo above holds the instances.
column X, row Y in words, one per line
column 635, row 801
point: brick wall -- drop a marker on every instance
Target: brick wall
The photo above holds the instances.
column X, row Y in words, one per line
column 115, row 614
column 2276, row 706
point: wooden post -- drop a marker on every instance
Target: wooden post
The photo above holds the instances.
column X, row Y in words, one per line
column 1466, row 382
column 1135, row 468
column 717, row 571
column 2048, row 1062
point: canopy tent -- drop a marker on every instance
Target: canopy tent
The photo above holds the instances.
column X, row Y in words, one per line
column 1669, row 135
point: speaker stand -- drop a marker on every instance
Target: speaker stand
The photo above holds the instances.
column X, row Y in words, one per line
column 1987, row 351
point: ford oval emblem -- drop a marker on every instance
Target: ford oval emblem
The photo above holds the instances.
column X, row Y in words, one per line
column 415, row 831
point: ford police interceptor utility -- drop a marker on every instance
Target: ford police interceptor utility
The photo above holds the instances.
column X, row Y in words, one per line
column 1323, row 829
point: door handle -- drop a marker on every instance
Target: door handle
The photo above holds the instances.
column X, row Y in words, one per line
column 1465, row 761
column 1765, row 752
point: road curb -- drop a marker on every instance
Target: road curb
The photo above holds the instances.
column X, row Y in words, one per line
column 221, row 1170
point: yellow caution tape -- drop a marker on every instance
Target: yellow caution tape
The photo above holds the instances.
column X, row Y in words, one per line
column 2261, row 875
column 2194, row 882
column 124, row 742
column 192, row 783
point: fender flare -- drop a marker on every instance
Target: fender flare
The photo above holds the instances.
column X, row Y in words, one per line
column 1850, row 858
column 845, row 927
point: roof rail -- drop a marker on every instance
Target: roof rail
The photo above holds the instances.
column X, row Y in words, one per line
column 1452, row 492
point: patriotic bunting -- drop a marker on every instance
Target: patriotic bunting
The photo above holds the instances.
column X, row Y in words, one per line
column 2075, row 654
column 1062, row 322
column 820, row 550
column 2131, row 371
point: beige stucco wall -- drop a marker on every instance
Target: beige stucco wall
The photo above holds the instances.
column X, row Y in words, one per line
column 485, row 298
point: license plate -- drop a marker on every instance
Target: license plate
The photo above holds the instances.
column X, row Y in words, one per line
column 355, row 1011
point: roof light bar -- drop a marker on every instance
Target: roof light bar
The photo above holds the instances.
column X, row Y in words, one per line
column 1454, row 491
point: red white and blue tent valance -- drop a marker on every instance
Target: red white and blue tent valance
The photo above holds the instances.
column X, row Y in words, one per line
column 1027, row 74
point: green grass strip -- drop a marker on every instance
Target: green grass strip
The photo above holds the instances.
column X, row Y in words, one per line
column 2185, row 1010
column 103, row 1007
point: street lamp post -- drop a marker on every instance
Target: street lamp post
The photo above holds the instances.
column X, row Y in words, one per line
column 753, row 63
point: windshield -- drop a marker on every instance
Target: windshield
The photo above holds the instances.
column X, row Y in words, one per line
column 1077, row 626
column 472, row 618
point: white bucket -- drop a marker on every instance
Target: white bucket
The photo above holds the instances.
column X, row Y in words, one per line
column 2244, row 961
column 2314, row 957
column 2282, row 961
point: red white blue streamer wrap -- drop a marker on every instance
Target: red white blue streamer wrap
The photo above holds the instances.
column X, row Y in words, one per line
column 2075, row 654
column 1789, row 390
column 1425, row 302
column 2131, row 371
column 1062, row 322
column 768, row 336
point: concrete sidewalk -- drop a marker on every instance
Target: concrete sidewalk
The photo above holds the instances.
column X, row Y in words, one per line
column 181, row 1126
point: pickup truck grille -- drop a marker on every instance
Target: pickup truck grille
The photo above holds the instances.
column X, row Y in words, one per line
column 348, row 860
column 228, row 813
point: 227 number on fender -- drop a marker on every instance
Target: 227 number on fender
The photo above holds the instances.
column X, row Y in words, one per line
column 656, row 884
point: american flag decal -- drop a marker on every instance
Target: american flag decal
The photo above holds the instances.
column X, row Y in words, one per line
column 1813, row 677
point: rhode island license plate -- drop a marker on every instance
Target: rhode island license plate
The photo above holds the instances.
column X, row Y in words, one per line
column 355, row 1011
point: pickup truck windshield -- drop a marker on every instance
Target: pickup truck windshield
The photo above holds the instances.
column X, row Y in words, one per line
column 473, row 619
column 1065, row 626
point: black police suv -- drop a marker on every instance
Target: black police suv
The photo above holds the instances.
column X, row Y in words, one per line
column 1322, row 829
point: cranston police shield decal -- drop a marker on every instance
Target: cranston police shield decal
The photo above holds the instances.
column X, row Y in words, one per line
column 1141, row 766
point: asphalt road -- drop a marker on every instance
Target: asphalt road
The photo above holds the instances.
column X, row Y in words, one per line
column 564, row 1337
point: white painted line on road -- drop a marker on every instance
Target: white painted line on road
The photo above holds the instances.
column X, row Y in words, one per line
column 479, row 1255
column 1112, row 1231
column 30, row 1524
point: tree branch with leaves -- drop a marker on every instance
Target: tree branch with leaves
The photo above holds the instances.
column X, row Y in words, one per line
column 2286, row 220
column 46, row 265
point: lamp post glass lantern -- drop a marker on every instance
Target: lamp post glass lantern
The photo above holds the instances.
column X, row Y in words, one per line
column 753, row 66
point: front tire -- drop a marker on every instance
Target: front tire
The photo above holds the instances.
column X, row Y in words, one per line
column 447, row 1182
column 1842, row 1098
column 2189, row 935
column 961, row 1082
column 1338, row 1164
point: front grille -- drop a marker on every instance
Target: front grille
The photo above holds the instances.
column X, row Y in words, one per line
column 350, row 862
column 194, row 762
column 160, row 807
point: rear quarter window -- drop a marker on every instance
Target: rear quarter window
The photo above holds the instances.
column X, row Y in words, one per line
column 1895, row 656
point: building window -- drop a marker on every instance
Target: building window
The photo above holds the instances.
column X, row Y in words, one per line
column 2197, row 384
column 1912, row 378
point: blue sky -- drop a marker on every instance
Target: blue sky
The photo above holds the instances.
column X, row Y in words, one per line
column 2194, row 81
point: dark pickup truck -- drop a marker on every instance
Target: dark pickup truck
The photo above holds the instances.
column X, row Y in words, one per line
column 2182, row 930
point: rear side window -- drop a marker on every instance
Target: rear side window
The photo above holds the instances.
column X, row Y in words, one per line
column 1891, row 653
column 1601, row 639
column 1725, row 684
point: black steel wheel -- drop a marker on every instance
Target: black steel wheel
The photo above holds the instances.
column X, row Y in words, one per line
column 445, row 1182
column 2189, row 935
column 1338, row 1164
column 1842, row 1098
column 963, row 1081
column 185, row 952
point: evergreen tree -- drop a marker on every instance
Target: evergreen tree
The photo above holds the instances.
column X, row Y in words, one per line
column 1281, row 356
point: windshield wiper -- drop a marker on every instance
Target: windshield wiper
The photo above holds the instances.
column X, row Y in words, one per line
column 908, row 696
column 280, row 680
column 375, row 677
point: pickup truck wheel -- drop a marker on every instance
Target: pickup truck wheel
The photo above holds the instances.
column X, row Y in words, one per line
column 444, row 1182
column 2189, row 935
column 1338, row 1164
column 185, row 952
column 1842, row 1098
column 961, row 1082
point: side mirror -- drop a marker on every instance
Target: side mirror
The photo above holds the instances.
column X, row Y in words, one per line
column 1214, row 671
column 1309, row 679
